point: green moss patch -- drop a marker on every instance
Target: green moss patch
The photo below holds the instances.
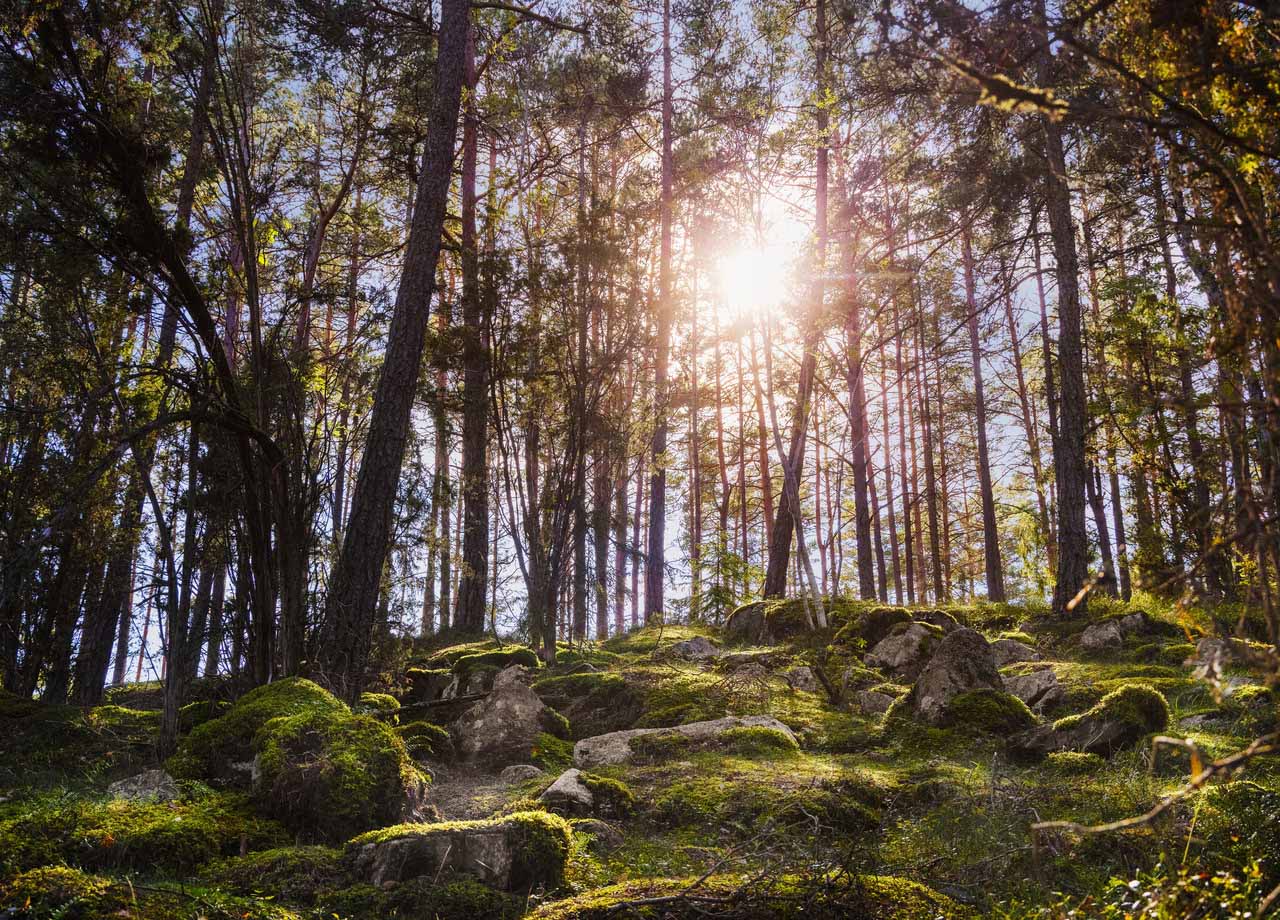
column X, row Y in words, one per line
column 495, row 660
column 211, row 750
column 330, row 775
column 552, row 754
column 1138, row 706
column 426, row 741
column 990, row 711
column 383, row 705
column 296, row 874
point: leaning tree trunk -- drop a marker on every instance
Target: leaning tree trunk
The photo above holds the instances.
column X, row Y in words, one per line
column 353, row 597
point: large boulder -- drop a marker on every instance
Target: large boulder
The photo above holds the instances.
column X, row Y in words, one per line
column 699, row 648
column 872, row 702
column 516, row 852
column 1120, row 719
column 503, row 727
column 1040, row 689
column 1102, row 637
column 616, row 747
column 147, row 786
column 330, row 775
column 906, row 650
column 1011, row 651
column 962, row 662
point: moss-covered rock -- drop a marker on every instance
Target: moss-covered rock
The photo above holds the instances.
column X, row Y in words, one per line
column 495, row 661
column 756, row 741
column 1124, row 716
column 1138, row 707
column 594, row 702
column 1073, row 763
column 449, row 896
column 516, row 852
column 220, row 750
column 299, row 875
column 383, row 705
column 331, row 774
column 987, row 710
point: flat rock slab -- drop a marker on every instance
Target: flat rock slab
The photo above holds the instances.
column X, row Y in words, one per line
column 569, row 795
column 1011, row 651
column 148, row 786
column 615, row 747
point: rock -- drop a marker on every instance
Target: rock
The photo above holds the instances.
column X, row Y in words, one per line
column 962, row 662
column 568, row 795
column 699, row 648
column 751, row 671
column 905, row 651
column 514, row 674
column 939, row 618
column 728, row 661
column 1040, row 690
column 748, row 624
column 517, row 852
column 605, row 838
column 615, row 747
column 502, row 726
column 1011, row 651
column 519, row 773
column 802, row 678
column 872, row 703
column 1119, row 719
column 1101, row 637
column 1134, row 624
column 147, row 786
column 1213, row 654
column 1203, row 720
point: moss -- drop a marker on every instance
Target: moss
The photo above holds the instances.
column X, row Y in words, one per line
column 660, row 746
column 383, row 705
column 1018, row 635
column 296, row 874
column 1239, row 823
column 678, row 697
column 539, row 843
column 785, row 897
column 1137, row 706
column 612, row 798
column 426, row 741
column 595, row 702
column 59, row 891
column 872, row 626
column 1257, row 708
column 987, row 710
column 750, row 802
column 552, row 754
column 333, row 774
column 211, row 749
column 553, row 723
column 156, row 836
column 1073, row 763
column 756, row 740
column 447, row 897
column 496, row 660
column 200, row 712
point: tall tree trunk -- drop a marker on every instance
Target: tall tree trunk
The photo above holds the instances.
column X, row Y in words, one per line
column 353, row 593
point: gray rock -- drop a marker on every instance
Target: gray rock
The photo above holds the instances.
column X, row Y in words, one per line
column 502, row 726
column 962, row 662
column 747, row 624
column 905, row 651
column 1101, row 637
column 1203, row 720
column 1134, row 623
column 490, row 852
column 1011, row 651
column 615, row 747
column 569, row 796
column 512, row 674
column 872, row 702
column 147, row 786
column 699, row 648
column 519, row 773
column 940, row 618
column 802, row 678
column 605, row 838
column 1040, row 690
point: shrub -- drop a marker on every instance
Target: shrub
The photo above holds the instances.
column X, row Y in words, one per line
column 987, row 710
column 211, row 750
column 333, row 774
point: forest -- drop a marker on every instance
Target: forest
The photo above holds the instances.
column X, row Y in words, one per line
column 711, row 458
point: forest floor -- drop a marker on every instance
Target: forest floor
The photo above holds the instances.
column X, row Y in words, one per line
column 925, row 821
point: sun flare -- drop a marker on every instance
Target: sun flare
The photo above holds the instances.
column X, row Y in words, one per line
column 752, row 279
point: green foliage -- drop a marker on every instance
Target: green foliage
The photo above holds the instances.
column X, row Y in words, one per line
column 333, row 774
column 211, row 749
column 1073, row 763
column 1240, row 824
column 426, row 741
column 63, row 892
column 296, row 874
column 551, row 753
column 987, row 710
column 1164, row 893
column 43, row 741
column 160, row 836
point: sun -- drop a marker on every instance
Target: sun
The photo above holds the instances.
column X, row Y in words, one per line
column 753, row 280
